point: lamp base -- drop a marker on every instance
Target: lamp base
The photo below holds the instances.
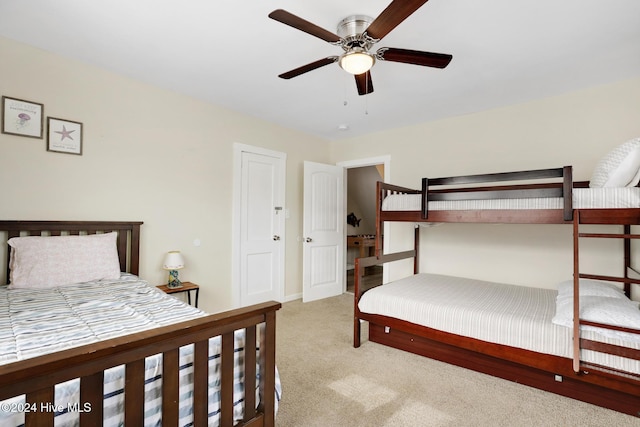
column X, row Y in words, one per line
column 174, row 282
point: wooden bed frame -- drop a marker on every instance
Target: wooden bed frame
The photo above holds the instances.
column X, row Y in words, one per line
column 37, row 377
column 568, row 377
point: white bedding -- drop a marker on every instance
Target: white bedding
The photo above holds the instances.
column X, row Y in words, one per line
column 512, row 315
column 40, row 321
column 583, row 198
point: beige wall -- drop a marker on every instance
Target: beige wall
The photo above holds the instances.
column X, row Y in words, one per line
column 166, row 159
column 573, row 129
column 148, row 154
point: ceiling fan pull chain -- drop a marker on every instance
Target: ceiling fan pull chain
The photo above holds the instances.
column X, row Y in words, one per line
column 344, row 86
column 366, row 104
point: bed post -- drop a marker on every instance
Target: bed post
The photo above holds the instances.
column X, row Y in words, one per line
column 356, row 298
column 268, row 368
column 416, row 247
column 425, row 198
column 576, row 291
column 627, row 258
column 134, row 258
column 379, row 226
column 567, row 192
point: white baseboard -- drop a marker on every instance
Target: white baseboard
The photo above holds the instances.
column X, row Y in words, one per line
column 293, row 297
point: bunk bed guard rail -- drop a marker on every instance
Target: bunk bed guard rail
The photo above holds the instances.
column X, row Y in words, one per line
column 561, row 189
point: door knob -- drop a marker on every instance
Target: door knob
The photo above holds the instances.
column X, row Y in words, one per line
column 308, row 239
column 276, row 237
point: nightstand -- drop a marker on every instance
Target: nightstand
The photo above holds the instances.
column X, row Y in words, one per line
column 186, row 287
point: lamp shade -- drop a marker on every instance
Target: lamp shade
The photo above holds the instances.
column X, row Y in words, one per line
column 357, row 61
column 173, row 261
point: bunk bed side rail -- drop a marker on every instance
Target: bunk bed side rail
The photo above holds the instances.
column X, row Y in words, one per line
column 499, row 177
column 556, row 189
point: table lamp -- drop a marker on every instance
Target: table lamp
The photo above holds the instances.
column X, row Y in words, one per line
column 173, row 261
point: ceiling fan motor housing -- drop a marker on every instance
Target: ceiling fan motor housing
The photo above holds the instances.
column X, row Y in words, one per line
column 351, row 29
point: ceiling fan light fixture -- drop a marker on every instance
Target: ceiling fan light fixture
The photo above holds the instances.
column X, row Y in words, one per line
column 357, row 61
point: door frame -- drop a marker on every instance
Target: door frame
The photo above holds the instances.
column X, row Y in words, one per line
column 238, row 149
column 385, row 160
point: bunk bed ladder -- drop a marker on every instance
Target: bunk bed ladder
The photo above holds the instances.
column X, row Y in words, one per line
column 626, row 280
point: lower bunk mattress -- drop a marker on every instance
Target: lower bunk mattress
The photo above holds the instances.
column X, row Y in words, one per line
column 511, row 315
column 40, row 321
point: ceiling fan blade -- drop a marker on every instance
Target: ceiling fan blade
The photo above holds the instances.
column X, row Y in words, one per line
column 364, row 83
column 302, row 25
column 428, row 59
column 392, row 16
column 309, row 67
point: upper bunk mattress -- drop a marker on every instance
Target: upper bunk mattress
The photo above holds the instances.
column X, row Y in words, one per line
column 517, row 316
column 583, row 198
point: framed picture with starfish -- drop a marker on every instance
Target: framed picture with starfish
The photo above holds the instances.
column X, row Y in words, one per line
column 64, row 136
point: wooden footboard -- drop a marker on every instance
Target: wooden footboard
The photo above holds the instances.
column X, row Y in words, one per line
column 38, row 376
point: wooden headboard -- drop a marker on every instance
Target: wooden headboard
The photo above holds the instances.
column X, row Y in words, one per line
column 128, row 241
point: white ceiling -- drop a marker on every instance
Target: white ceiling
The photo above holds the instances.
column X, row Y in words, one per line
column 229, row 53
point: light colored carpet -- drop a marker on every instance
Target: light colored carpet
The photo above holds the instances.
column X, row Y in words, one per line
column 328, row 383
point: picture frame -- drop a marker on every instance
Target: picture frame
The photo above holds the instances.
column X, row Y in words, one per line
column 22, row 118
column 64, row 136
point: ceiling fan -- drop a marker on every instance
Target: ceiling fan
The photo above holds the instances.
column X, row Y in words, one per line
column 357, row 34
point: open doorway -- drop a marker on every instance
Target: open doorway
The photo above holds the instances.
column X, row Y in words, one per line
column 361, row 221
column 360, row 201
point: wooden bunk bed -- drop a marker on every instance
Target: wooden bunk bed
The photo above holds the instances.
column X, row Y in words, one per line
column 445, row 200
column 30, row 386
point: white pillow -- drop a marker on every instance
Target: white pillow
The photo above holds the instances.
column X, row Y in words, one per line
column 619, row 168
column 45, row 262
column 590, row 287
column 612, row 311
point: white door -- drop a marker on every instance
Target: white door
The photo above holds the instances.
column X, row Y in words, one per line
column 261, row 226
column 323, row 236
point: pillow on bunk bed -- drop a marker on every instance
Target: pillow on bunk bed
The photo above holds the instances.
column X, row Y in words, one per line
column 50, row 261
column 619, row 168
column 589, row 287
column 611, row 311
